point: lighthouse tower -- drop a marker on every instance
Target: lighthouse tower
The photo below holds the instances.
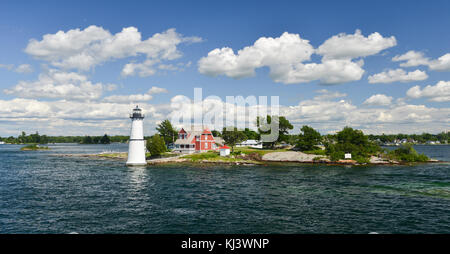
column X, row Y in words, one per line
column 136, row 147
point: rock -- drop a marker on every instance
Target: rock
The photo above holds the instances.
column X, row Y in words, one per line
column 289, row 156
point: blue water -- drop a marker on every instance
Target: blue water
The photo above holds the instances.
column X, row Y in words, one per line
column 43, row 193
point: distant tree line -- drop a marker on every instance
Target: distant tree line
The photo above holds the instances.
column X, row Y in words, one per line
column 36, row 138
column 443, row 137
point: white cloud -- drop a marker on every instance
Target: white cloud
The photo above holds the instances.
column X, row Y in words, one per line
column 441, row 64
column 378, row 100
column 24, row 68
column 414, row 58
column 349, row 46
column 84, row 49
column 411, row 58
column 327, row 94
column 332, row 71
column 133, row 98
column 56, row 84
column 398, row 75
column 286, row 56
column 328, row 115
column 266, row 51
column 438, row 93
column 157, row 90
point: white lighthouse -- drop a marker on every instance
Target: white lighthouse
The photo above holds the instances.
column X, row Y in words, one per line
column 136, row 147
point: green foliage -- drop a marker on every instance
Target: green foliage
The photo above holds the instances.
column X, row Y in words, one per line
column 34, row 147
column 105, row 140
column 44, row 139
column 350, row 141
column 284, row 126
column 233, row 137
column 407, row 153
column 316, row 152
column 156, row 145
column 87, row 140
column 308, row 139
column 202, row 156
column 167, row 132
column 216, row 133
column 443, row 137
column 251, row 134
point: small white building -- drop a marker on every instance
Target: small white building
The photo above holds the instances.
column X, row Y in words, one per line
column 253, row 143
column 348, row 156
column 224, row 150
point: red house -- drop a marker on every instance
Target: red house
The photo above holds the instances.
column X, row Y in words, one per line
column 196, row 141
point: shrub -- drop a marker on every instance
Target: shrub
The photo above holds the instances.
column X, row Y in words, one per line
column 407, row 153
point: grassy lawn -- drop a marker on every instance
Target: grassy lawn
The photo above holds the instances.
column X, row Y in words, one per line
column 211, row 156
column 248, row 150
column 316, row 152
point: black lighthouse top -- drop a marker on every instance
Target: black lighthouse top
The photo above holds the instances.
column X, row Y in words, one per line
column 137, row 113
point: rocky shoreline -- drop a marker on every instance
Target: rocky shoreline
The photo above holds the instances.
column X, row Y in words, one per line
column 290, row 157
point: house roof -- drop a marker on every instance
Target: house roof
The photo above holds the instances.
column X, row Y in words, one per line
column 224, row 147
column 196, row 131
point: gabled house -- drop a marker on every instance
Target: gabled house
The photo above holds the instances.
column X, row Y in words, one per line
column 196, row 141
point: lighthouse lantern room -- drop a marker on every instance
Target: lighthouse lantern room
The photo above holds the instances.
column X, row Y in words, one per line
column 136, row 146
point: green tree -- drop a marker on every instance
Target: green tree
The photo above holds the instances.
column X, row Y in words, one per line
column 251, row 134
column 407, row 153
column 105, row 140
column 283, row 128
column 233, row 137
column 87, row 140
column 95, row 140
column 308, row 139
column 351, row 141
column 167, row 131
column 156, row 145
column 216, row 133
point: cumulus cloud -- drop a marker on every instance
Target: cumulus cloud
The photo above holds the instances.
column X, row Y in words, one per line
column 84, row 49
column 71, row 117
column 440, row 64
column 56, row 84
column 287, row 56
column 438, row 93
column 413, row 58
column 349, row 46
column 266, row 51
column 333, row 71
column 326, row 114
column 378, row 100
column 397, row 75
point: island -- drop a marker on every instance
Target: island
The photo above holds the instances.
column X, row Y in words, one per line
column 34, row 147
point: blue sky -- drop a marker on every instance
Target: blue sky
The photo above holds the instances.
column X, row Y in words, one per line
column 416, row 26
